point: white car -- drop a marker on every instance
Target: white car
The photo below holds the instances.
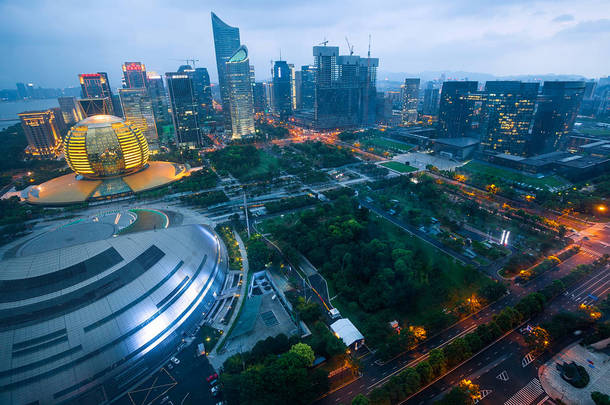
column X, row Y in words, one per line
column 175, row 360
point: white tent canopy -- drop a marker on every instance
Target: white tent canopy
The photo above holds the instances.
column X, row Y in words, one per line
column 346, row 330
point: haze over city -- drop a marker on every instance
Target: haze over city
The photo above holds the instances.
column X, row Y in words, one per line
column 49, row 42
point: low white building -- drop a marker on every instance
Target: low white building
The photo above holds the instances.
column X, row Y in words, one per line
column 346, row 331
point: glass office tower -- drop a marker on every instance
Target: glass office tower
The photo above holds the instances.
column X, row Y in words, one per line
column 240, row 94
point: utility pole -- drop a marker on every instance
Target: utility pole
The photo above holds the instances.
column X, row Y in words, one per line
column 246, row 212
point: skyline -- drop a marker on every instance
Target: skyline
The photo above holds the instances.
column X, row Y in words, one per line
column 51, row 45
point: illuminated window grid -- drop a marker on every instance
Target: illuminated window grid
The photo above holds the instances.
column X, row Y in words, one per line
column 76, row 155
column 135, row 150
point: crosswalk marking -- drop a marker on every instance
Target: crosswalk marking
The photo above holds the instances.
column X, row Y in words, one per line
column 527, row 394
column 483, row 393
column 503, row 376
column 527, row 359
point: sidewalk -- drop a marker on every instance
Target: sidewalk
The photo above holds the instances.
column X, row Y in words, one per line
column 217, row 359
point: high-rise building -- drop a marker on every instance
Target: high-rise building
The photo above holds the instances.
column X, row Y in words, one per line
column 509, row 116
column 409, row 94
column 42, row 132
column 184, row 108
column 430, row 104
column 21, row 91
column 138, row 110
column 226, row 42
column 293, row 86
column 70, row 110
column 259, row 97
column 345, row 89
column 158, row 96
column 456, row 109
column 308, row 87
column 96, row 85
column 203, row 94
column 96, row 106
column 282, row 89
column 558, row 107
column 134, row 75
column 240, row 94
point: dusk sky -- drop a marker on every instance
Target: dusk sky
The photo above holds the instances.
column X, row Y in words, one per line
column 50, row 42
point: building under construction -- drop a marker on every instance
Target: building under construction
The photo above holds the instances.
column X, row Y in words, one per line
column 345, row 88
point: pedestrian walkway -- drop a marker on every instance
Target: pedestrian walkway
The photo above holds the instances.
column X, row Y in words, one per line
column 526, row 395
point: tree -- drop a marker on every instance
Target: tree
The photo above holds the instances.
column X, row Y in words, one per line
column 360, row 400
column 438, row 362
column 304, row 352
column 456, row 351
column 538, row 339
column 425, row 371
column 599, row 398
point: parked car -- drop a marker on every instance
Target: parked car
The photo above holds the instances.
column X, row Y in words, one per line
column 175, row 360
column 215, row 390
column 212, row 377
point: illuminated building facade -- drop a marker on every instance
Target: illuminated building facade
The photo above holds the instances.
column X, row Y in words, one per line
column 134, row 75
column 558, row 106
column 96, row 85
column 509, row 116
column 184, row 108
column 138, row 110
column 282, row 89
column 105, row 146
column 409, row 94
column 42, row 132
column 240, row 94
column 457, row 109
column 226, row 42
column 70, row 109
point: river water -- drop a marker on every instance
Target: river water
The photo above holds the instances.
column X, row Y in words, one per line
column 9, row 110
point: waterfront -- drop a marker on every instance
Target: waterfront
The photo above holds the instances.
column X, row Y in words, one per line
column 10, row 109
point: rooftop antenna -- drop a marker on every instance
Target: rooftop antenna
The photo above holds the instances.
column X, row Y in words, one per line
column 350, row 47
column 280, row 54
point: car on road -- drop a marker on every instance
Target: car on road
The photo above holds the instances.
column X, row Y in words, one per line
column 170, row 366
column 212, row 377
column 175, row 360
column 215, row 390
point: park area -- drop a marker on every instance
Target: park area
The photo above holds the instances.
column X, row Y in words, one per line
column 381, row 145
column 482, row 174
column 379, row 273
column 399, row 167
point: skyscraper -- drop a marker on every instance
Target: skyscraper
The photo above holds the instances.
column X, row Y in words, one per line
column 203, row 94
column 240, row 94
column 226, row 42
column 308, row 87
column 558, row 107
column 456, row 109
column 21, row 91
column 138, row 110
column 158, row 97
column 96, row 106
column 282, row 89
column 134, row 75
column 409, row 94
column 70, row 110
column 184, row 107
column 42, row 133
column 430, row 104
column 259, row 97
column 96, row 85
column 509, row 116
column 345, row 89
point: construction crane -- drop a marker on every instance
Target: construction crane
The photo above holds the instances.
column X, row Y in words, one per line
column 368, row 83
column 187, row 60
column 349, row 47
column 323, row 42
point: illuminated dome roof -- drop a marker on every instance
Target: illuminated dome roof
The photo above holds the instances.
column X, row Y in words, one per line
column 105, row 146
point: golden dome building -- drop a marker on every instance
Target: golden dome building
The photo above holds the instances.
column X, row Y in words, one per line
column 109, row 157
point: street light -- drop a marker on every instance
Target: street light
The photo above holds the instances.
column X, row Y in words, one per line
column 602, row 208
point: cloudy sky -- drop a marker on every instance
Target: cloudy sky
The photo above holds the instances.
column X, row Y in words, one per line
column 49, row 42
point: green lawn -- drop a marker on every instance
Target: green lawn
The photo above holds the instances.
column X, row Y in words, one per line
column 511, row 176
column 267, row 162
column 399, row 167
column 388, row 144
